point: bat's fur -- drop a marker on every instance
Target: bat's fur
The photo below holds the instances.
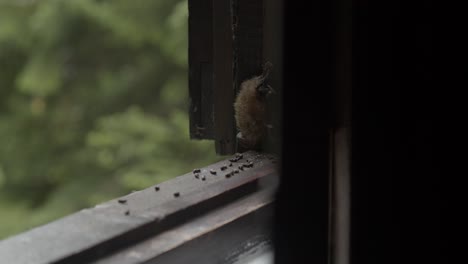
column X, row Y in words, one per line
column 250, row 110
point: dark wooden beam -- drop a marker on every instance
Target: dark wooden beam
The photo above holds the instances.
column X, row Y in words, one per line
column 223, row 91
column 201, row 69
column 340, row 176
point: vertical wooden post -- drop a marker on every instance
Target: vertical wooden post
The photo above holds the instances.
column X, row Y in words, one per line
column 201, row 69
column 223, row 91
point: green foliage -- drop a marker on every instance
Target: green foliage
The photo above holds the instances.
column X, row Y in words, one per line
column 93, row 104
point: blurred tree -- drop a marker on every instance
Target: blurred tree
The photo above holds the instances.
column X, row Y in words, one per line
column 93, row 99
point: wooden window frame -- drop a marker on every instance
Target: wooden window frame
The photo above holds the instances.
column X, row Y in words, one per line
column 226, row 46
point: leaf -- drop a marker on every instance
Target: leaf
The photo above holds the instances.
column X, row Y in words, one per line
column 40, row 77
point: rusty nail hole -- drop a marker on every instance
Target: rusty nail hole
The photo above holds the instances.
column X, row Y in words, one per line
column 122, row 201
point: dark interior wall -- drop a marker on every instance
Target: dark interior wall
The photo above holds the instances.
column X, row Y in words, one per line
column 393, row 210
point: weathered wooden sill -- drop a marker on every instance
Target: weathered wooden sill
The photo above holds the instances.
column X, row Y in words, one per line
column 183, row 220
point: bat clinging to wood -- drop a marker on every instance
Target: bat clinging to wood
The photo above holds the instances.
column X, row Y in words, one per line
column 250, row 109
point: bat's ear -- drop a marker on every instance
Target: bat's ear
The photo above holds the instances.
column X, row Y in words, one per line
column 267, row 66
column 266, row 70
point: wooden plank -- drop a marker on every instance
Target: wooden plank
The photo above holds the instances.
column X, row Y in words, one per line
column 201, row 69
column 94, row 233
column 273, row 52
column 248, row 42
column 340, row 181
column 223, row 89
column 221, row 235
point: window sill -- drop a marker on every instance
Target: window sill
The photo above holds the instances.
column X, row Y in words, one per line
column 211, row 220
